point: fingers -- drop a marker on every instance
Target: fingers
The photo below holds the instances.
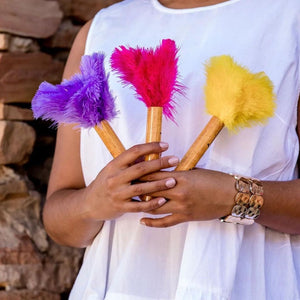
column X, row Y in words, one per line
column 141, row 169
column 143, row 206
column 167, row 221
column 134, row 153
column 149, row 187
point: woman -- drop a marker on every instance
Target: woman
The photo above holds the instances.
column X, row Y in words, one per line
column 195, row 256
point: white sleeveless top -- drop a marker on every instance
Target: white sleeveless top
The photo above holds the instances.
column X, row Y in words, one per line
column 199, row 260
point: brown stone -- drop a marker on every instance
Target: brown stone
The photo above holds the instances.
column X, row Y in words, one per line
column 10, row 112
column 64, row 36
column 84, row 10
column 34, row 18
column 65, row 6
column 16, row 142
column 11, row 184
column 20, row 220
column 26, row 71
column 4, row 41
column 22, row 44
column 27, row 259
column 24, row 254
column 28, row 295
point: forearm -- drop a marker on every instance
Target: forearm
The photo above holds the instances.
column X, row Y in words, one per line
column 281, row 209
column 66, row 218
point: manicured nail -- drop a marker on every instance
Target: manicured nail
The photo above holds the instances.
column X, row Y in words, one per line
column 164, row 145
column 162, row 201
column 173, row 161
column 170, row 182
column 142, row 222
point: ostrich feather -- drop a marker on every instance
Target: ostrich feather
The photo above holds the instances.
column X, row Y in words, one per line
column 84, row 99
column 151, row 72
column 236, row 96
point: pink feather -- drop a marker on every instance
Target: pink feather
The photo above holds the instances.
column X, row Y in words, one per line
column 152, row 73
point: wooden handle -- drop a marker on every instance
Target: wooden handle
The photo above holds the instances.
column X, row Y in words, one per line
column 109, row 138
column 200, row 145
column 153, row 130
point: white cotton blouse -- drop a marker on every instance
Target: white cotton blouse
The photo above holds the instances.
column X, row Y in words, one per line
column 199, row 260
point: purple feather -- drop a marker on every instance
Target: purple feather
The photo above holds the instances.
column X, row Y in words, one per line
column 84, row 99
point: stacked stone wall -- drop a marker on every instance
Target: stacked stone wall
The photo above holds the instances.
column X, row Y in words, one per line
column 35, row 39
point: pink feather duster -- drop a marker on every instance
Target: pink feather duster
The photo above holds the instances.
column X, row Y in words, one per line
column 151, row 72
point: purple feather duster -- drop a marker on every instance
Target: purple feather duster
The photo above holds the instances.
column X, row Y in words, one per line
column 84, row 99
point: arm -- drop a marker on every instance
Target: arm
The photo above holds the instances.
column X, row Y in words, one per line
column 204, row 195
column 73, row 214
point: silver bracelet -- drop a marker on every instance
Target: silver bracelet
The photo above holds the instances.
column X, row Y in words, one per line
column 248, row 201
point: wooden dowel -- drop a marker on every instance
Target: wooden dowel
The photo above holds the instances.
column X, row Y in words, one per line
column 109, row 138
column 200, row 145
column 153, row 130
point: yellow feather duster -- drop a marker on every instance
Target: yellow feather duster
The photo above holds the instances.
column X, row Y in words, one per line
column 235, row 98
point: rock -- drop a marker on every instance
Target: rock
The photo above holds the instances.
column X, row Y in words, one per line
column 21, row 44
column 65, row 6
column 10, row 112
column 4, row 41
column 16, row 142
column 28, row 260
column 28, row 295
column 26, row 71
column 11, row 185
column 20, row 217
column 33, row 18
column 84, row 10
column 64, row 36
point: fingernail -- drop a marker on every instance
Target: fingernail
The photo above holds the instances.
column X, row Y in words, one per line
column 142, row 222
column 170, row 182
column 164, row 145
column 162, row 201
column 173, row 161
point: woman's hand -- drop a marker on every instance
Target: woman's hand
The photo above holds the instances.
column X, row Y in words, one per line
column 198, row 195
column 110, row 194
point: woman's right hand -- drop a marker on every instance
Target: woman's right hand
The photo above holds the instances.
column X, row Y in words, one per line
column 110, row 194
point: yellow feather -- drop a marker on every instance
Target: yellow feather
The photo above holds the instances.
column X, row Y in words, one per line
column 236, row 96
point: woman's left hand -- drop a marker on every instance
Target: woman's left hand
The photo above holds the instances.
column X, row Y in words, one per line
column 199, row 194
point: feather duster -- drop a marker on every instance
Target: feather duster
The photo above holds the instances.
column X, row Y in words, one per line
column 85, row 99
column 153, row 75
column 235, row 98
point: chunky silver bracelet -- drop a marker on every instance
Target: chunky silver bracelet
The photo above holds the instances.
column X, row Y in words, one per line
column 248, row 201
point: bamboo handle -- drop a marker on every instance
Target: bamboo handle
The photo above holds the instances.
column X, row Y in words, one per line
column 109, row 138
column 200, row 145
column 153, row 130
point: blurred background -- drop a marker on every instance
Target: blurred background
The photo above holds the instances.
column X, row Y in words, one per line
column 35, row 39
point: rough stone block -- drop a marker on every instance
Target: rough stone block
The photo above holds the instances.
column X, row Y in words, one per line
column 28, row 260
column 16, row 142
column 21, row 44
column 10, row 112
column 34, row 18
column 22, row 73
column 84, row 10
column 4, row 41
column 64, row 36
column 11, row 184
column 28, row 295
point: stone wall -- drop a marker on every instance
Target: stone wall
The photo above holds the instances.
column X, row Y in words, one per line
column 35, row 38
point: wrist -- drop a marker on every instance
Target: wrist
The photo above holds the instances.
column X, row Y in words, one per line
column 247, row 201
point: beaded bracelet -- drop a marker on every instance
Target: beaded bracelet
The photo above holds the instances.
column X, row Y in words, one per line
column 248, row 201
